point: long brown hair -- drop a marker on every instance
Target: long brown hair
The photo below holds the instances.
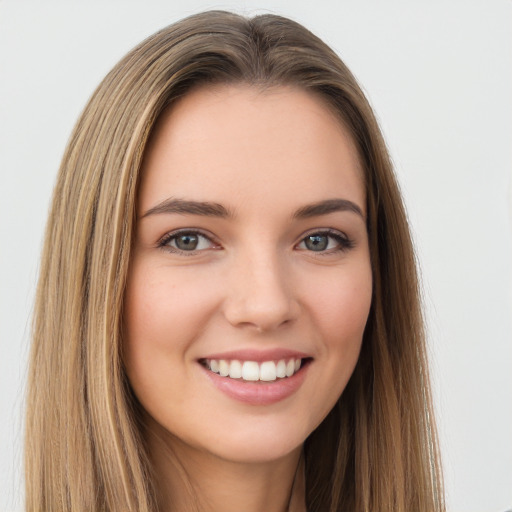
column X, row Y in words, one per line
column 376, row 450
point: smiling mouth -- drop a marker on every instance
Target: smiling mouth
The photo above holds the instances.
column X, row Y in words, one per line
column 252, row 371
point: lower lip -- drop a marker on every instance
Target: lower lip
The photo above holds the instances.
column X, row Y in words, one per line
column 258, row 393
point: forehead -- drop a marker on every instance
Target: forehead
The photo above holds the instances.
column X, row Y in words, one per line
column 233, row 140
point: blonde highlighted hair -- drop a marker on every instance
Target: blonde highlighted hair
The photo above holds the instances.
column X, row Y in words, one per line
column 376, row 450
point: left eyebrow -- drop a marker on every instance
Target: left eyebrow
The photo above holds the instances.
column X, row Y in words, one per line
column 326, row 207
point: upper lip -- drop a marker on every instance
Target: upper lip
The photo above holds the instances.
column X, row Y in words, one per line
column 259, row 356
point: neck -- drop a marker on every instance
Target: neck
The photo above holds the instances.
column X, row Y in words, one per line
column 190, row 480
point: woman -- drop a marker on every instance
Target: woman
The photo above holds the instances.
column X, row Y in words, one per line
column 228, row 313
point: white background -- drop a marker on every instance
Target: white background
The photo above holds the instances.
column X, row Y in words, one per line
column 439, row 75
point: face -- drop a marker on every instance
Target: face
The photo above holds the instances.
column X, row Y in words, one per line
column 250, row 281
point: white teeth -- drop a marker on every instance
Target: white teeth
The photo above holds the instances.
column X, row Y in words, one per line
column 268, row 371
column 235, row 369
column 252, row 371
column 223, row 368
column 281, row 369
column 290, row 368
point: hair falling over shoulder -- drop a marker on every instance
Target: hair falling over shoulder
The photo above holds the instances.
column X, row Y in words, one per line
column 376, row 450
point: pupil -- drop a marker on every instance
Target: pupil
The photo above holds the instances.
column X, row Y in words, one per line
column 187, row 242
column 316, row 242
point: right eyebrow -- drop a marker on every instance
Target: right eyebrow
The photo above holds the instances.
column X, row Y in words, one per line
column 184, row 207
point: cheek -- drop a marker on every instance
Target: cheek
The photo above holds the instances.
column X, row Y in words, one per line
column 163, row 314
column 340, row 309
column 341, row 305
column 164, row 308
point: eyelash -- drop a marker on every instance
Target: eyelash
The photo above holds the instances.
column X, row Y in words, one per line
column 169, row 237
column 344, row 243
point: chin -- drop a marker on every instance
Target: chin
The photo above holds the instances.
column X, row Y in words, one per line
column 264, row 440
column 263, row 449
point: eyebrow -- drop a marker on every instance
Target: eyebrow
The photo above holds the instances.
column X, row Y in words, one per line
column 210, row 209
column 326, row 207
column 184, row 207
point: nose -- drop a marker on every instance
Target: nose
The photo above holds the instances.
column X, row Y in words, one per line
column 260, row 294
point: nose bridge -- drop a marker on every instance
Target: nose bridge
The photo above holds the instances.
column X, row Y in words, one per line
column 260, row 292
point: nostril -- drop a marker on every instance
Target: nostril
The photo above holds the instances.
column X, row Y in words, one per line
column 261, row 299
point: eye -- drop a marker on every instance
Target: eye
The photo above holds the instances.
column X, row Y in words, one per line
column 325, row 241
column 186, row 241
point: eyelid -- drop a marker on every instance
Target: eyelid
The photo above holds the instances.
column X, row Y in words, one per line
column 344, row 241
column 164, row 240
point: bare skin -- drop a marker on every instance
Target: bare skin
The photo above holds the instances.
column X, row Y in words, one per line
column 206, row 484
column 251, row 249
